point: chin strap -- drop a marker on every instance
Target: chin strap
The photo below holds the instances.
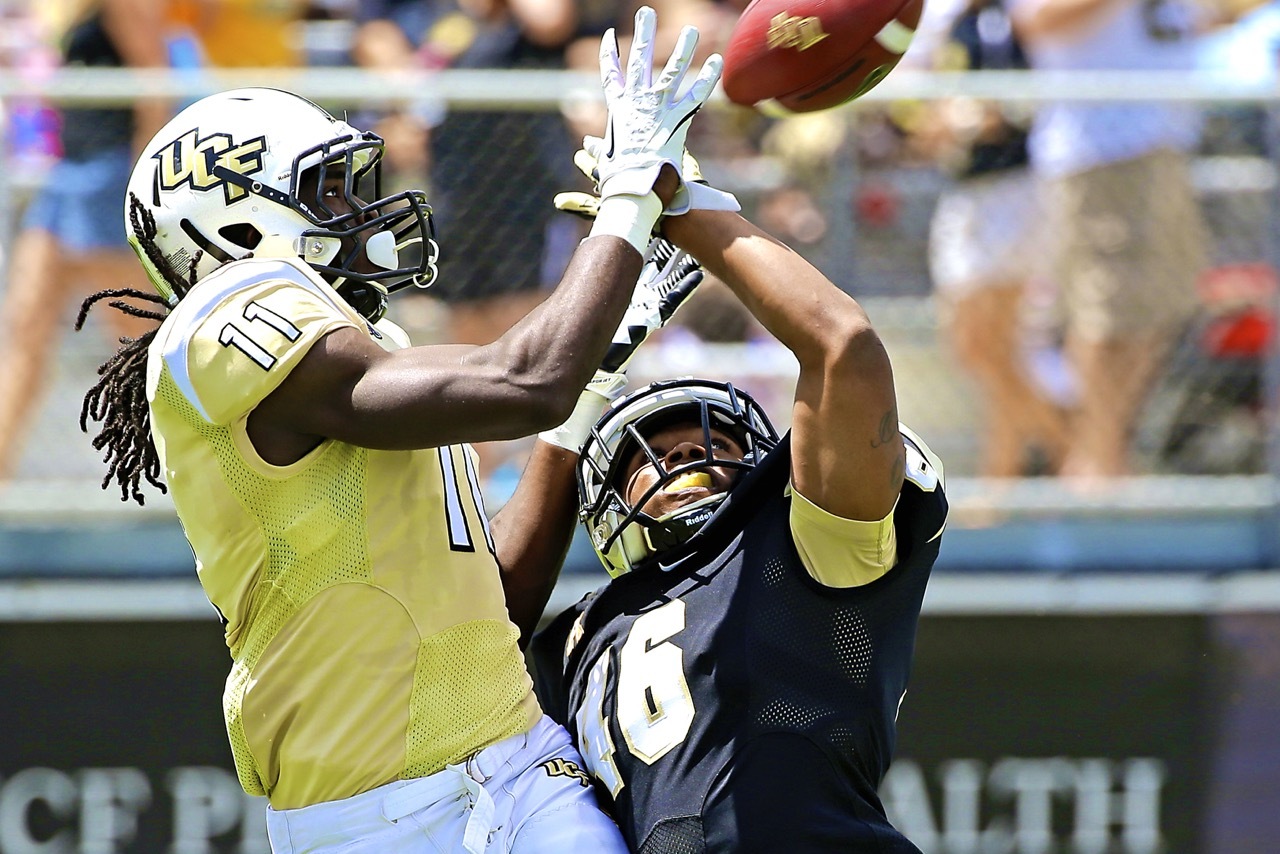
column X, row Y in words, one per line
column 675, row 529
column 367, row 298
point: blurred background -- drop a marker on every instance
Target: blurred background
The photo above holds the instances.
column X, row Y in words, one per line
column 1068, row 243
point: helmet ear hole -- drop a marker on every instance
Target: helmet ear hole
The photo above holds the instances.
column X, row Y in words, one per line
column 241, row 234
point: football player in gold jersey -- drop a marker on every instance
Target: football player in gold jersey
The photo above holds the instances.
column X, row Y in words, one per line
column 319, row 465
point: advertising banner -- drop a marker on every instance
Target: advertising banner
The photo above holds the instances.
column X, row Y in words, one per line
column 1020, row 733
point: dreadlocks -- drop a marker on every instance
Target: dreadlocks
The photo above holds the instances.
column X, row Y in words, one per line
column 119, row 399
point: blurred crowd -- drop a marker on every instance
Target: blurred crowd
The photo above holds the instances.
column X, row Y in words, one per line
column 1101, row 302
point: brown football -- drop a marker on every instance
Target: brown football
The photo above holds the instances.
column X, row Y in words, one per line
column 813, row 54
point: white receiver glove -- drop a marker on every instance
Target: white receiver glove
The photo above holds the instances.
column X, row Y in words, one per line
column 647, row 122
column 668, row 278
column 603, row 389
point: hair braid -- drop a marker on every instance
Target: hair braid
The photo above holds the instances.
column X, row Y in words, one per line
column 144, row 226
column 119, row 399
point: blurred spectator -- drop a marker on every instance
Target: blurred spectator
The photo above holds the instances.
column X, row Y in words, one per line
column 30, row 123
column 1128, row 241
column 985, row 238
column 71, row 238
column 325, row 32
column 492, row 173
column 242, row 33
column 1250, row 48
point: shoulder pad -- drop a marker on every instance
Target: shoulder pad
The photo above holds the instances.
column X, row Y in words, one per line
column 923, row 467
column 238, row 333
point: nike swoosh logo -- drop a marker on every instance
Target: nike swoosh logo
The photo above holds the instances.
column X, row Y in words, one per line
column 608, row 155
column 692, row 113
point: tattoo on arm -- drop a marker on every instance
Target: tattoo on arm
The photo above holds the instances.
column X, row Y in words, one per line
column 888, row 429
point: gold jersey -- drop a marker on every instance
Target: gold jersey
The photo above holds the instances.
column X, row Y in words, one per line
column 363, row 606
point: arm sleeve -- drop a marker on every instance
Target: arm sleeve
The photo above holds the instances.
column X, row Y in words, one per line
column 841, row 552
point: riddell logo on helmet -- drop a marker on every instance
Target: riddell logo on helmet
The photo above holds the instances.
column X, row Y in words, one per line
column 192, row 160
column 700, row 518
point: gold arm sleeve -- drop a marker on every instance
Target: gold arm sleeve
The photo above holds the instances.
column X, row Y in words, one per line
column 841, row 552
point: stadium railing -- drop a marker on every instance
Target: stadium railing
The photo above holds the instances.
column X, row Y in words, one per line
column 1216, row 508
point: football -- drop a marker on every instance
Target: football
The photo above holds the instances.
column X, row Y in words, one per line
column 809, row 55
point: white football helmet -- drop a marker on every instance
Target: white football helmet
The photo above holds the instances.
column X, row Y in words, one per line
column 223, row 179
column 622, row 534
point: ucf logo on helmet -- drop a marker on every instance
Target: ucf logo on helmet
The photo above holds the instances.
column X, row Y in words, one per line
column 192, row 160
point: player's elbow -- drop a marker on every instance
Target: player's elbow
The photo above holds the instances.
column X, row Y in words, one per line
column 551, row 410
column 852, row 346
column 835, row 335
column 548, row 395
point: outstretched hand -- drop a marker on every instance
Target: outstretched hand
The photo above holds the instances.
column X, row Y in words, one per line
column 648, row 121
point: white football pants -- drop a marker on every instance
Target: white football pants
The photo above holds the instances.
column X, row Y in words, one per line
column 524, row 795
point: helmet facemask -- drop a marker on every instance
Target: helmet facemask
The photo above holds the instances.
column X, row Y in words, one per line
column 395, row 234
column 623, row 534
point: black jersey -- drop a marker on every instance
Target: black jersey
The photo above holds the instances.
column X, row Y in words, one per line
column 730, row 702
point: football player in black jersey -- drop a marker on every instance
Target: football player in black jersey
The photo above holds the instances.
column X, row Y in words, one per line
column 735, row 686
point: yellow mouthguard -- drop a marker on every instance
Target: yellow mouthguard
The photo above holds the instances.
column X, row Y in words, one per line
column 690, row 479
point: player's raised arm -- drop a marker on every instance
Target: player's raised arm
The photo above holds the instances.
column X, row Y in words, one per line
column 533, row 530
column 847, row 453
column 348, row 388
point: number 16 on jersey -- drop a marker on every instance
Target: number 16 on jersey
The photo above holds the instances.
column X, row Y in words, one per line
column 654, row 708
